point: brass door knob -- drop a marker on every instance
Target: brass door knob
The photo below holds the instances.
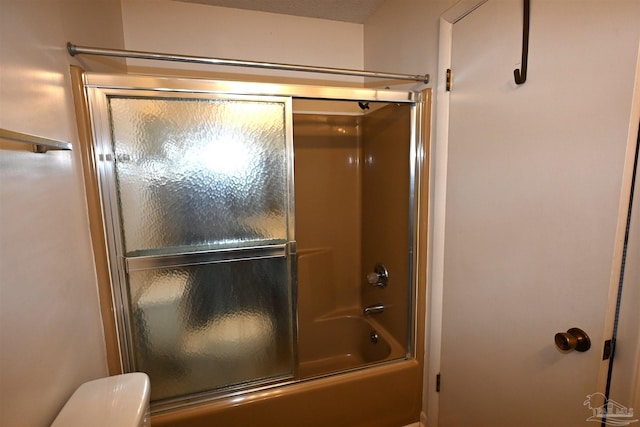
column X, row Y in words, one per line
column 574, row 339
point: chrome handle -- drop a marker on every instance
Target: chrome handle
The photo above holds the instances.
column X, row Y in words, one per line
column 574, row 339
column 379, row 276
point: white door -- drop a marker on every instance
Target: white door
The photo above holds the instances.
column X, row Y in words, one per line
column 533, row 199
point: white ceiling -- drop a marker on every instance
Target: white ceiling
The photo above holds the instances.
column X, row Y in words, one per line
column 356, row 11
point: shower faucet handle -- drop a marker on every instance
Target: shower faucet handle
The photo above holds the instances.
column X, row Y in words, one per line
column 373, row 309
column 379, row 276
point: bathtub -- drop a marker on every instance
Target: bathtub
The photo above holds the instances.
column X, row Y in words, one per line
column 377, row 386
column 334, row 339
column 342, row 377
column 385, row 395
column 343, row 343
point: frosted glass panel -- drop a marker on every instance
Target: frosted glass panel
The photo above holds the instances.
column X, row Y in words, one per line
column 199, row 328
column 199, row 172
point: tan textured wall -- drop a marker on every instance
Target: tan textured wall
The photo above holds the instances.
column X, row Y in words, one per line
column 385, row 219
column 327, row 198
column 352, row 210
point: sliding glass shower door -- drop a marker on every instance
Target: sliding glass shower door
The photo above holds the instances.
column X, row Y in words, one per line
column 197, row 190
column 196, row 179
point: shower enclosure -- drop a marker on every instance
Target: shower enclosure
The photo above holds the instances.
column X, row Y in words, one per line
column 258, row 235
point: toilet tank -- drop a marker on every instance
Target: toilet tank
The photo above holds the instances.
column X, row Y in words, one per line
column 117, row 401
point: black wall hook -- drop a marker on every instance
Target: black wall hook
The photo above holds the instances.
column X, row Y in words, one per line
column 521, row 75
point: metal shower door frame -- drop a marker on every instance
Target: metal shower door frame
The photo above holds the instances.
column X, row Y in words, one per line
column 98, row 87
column 119, row 263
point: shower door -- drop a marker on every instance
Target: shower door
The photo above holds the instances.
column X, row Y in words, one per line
column 197, row 199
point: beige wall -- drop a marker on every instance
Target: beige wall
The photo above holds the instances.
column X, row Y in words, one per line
column 195, row 29
column 51, row 337
column 402, row 37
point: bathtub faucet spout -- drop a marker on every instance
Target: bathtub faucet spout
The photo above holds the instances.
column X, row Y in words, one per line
column 373, row 309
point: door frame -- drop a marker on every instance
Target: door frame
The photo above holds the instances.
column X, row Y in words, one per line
column 438, row 179
column 617, row 279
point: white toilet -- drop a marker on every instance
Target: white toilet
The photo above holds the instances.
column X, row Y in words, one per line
column 118, row 401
